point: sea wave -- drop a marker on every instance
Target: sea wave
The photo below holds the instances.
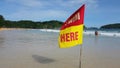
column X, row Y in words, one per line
column 102, row 33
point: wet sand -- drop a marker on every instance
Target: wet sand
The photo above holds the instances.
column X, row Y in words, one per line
column 36, row 49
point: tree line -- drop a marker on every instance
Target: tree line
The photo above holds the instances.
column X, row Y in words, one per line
column 53, row 24
column 111, row 26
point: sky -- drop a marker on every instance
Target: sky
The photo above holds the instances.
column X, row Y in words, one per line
column 97, row 12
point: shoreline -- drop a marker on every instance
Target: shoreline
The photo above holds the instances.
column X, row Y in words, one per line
column 100, row 33
column 2, row 29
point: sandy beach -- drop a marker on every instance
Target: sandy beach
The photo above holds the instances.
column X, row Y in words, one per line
column 3, row 29
column 38, row 49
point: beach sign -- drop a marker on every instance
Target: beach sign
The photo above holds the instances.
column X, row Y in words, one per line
column 71, row 32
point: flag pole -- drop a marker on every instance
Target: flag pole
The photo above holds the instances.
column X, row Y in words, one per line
column 80, row 59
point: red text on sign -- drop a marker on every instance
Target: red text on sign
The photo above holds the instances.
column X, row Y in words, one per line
column 68, row 37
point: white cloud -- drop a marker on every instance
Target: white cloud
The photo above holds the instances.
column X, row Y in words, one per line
column 39, row 15
column 47, row 9
column 43, row 3
column 77, row 2
column 27, row 3
column 31, row 3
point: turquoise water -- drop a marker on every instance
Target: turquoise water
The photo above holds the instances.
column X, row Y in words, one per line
column 37, row 49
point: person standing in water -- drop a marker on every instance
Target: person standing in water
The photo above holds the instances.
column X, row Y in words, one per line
column 96, row 33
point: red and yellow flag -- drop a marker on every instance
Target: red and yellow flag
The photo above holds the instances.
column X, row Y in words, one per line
column 71, row 32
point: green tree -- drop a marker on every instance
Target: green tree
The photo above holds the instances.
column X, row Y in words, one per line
column 1, row 18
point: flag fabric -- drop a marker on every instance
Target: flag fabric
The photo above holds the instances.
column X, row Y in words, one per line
column 71, row 32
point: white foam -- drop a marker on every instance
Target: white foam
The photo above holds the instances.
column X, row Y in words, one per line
column 49, row 30
column 102, row 33
column 110, row 34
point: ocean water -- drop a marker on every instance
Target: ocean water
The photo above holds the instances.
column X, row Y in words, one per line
column 38, row 49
